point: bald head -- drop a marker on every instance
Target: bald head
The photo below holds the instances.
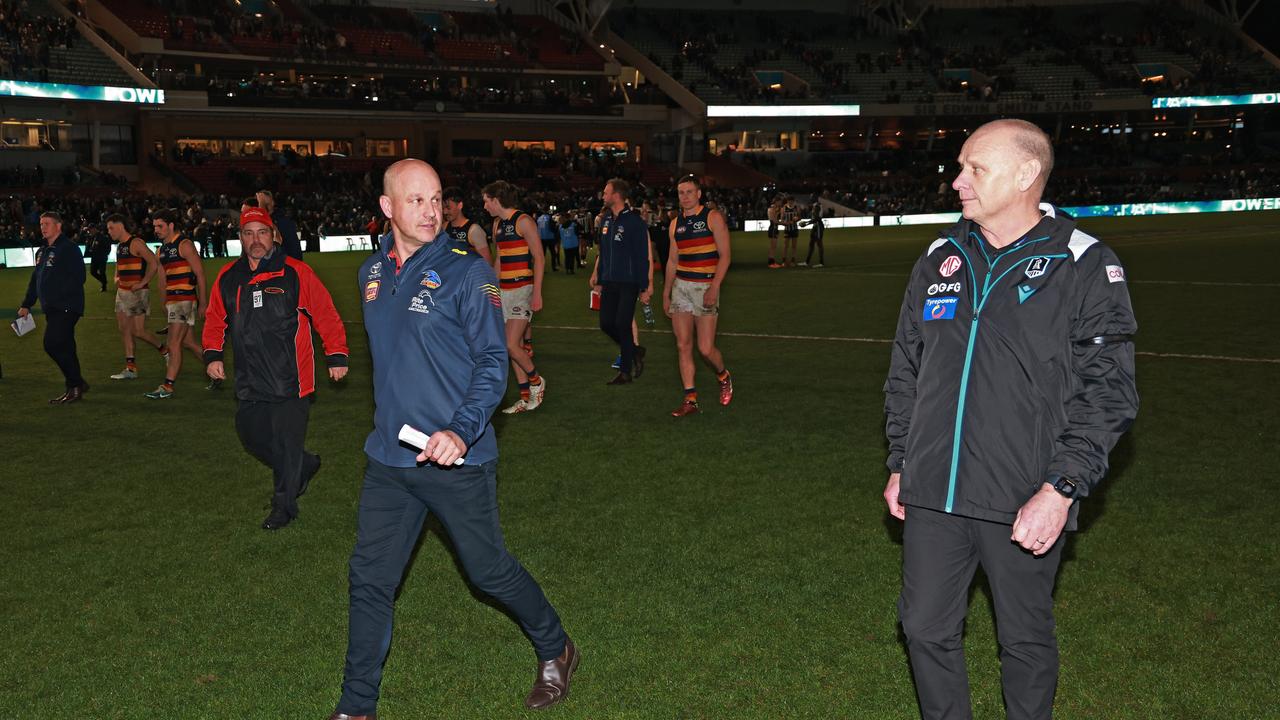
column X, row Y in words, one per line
column 405, row 172
column 411, row 198
column 1024, row 138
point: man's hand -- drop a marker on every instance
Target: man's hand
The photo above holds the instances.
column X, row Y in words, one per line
column 202, row 310
column 337, row 373
column 711, row 296
column 536, row 303
column 443, row 448
column 1041, row 519
column 666, row 304
column 896, row 508
column 23, row 312
column 216, row 370
column 647, row 294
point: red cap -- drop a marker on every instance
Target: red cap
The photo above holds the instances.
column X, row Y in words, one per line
column 255, row 215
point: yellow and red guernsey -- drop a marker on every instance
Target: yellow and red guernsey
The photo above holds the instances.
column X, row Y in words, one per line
column 515, row 269
column 179, row 278
column 696, row 254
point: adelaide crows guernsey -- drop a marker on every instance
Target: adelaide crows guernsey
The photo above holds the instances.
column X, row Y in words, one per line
column 696, row 254
column 515, row 269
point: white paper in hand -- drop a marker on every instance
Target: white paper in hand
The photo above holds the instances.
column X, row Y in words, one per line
column 415, row 437
column 24, row 324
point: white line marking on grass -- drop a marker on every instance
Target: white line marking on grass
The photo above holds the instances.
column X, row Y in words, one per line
column 1223, row 358
column 1208, row 283
column 874, row 341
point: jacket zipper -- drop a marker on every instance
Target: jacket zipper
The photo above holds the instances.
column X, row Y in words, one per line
column 979, row 301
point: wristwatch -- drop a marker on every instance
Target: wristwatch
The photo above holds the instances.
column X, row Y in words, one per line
column 1065, row 487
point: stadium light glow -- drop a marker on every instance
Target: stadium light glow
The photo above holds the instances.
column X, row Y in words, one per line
column 1215, row 100
column 766, row 111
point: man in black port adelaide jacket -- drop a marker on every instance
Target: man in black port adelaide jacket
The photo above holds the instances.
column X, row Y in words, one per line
column 268, row 303
column 1012, row 377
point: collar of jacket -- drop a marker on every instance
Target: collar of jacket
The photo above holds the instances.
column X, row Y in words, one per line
column 428, row 250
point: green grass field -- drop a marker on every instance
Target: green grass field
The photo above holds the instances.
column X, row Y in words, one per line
column 736, row 564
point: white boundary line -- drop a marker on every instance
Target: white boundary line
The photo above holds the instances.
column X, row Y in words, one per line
column 883, row 341
column 873, row 341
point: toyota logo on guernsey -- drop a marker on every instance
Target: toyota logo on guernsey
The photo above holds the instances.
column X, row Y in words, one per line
column 950, row 266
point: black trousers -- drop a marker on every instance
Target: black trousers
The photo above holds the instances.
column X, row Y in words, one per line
column 617, row 310
column 60, row 344
column 98, row 269
column 553, row 247
column 815, row 239
column 570, row 259
column 276, row 434
column 394, row 502
column 940, row 553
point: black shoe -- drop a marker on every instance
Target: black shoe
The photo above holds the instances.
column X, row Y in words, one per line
column 637, row 362
column 163, row 331
column 214, row 384
column 306, row 476
column 620, row 379
column 276, row 520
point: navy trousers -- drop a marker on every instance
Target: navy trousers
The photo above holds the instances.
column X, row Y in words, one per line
column 394, row 503
column 940, row 553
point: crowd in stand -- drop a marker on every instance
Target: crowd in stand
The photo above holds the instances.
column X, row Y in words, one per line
column 27, row 40
column 325, row 198
column 1100, row 43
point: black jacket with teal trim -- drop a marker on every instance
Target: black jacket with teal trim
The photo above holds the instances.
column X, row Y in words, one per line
column 1011, row 367
column 436, row 335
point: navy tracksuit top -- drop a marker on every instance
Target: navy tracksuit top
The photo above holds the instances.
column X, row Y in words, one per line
column 439, row 352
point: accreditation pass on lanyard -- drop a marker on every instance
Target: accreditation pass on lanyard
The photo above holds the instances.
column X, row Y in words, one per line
column 257, row 298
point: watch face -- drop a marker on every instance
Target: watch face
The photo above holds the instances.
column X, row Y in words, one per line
column 1066, row 487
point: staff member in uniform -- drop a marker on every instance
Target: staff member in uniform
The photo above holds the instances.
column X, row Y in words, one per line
column 58, row 282
column 623, row 273
column 434, row 318
column 268, row 302
column 1011, row 378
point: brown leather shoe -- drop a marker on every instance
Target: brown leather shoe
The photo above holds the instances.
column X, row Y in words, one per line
column 343, row 716
column 551, row 685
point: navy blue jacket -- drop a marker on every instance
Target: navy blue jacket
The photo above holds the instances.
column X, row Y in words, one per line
column 624, row 249
column 439, row 351
column 58, row 278
column 288, row 234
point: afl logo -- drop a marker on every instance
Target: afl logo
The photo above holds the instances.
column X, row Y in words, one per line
column 949, row 266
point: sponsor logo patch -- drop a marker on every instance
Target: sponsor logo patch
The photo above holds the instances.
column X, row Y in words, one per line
column 950, row 266
column 936, row 288
column 459, row 251
column 419, row 302
column 375, row 271
column 371, row 290
column 1115, row 273
column 943, row 308
column 431, row 280
column 699, row 225
column 273, row 290
column 1037, row 267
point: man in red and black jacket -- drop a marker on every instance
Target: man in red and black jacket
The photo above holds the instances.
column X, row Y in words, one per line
column 269, row 301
